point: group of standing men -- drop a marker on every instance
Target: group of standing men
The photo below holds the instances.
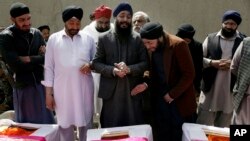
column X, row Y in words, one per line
column 111, row 61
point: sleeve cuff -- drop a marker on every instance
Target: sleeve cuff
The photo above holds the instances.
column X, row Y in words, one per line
column 47, row 84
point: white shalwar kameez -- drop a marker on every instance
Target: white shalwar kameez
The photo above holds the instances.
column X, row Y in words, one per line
column 73, row 91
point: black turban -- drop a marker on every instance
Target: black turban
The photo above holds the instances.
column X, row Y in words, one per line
column 43, row 27
column 18, row 9
column 186, row 31
column 72, row 11
column 151, row 30
column 122, row 7
column 231, row 14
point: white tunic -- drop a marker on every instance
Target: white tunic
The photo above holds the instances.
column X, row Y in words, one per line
column 242, row 116
column 236, row 61
column 91, row 30
column 73, row 91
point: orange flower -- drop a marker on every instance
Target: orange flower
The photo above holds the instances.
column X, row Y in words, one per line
column 16, row 131
column 217, row 138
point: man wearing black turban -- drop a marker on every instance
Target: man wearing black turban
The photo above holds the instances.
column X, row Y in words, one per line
column 171, row 76
column 45, row 30
column 217, row 84
column 72, row 14
column 20, row 45
column 187, row 32
column 72, row 11
column 68, row 80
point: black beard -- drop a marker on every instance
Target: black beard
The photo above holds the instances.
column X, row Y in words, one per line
column 72, row 32
column 21, row 31
column 228, row 33
column 102, row 29
column 123, row 31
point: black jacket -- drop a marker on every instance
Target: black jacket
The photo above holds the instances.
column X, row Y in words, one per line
column 196, row 51
column 15, row 43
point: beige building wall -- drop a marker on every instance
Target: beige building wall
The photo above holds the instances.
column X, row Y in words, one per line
column 204, row 15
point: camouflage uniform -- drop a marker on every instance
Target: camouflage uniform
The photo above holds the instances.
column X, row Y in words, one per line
column 6, row 98
column 6, row 101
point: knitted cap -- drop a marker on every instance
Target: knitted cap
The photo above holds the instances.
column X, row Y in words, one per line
column 18, row 9
column 186, row 31
column 151, row 30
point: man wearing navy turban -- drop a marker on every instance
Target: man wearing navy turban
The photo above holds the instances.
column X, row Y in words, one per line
column 121, row 59
column 215, row 104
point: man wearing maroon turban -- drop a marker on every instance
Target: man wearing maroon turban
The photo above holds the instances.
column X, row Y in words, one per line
column 101, row 24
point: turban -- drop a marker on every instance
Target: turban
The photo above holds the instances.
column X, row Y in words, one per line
column 18, row 9
column 102, row 11
column 231, row 14
column 43, row 27
column 186, row 31
column 72, row 11
column 122, row 7
column 151, row 30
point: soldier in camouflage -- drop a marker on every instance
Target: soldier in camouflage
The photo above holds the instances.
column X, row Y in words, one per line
column 6, row 102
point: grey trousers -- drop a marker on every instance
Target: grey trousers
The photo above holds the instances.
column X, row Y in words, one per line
column 68, row 134
column 242, row 116
column 218, row 118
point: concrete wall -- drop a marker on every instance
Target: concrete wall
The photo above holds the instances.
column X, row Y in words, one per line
column 204, row 15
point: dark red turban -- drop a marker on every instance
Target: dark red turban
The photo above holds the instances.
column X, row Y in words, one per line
column 102, row 11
